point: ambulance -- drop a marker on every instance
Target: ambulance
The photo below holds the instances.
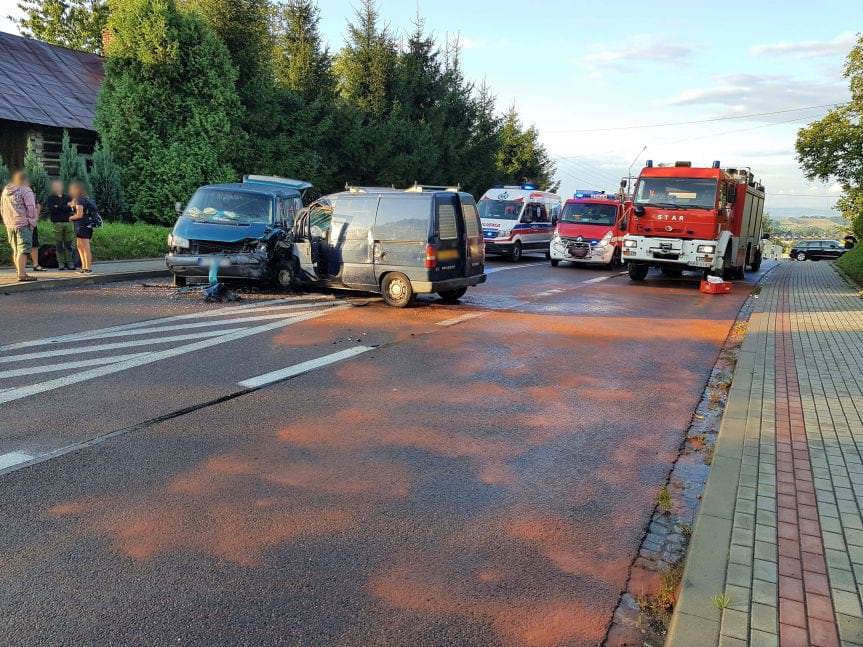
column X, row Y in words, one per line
column 518, row 219
column 589, row 230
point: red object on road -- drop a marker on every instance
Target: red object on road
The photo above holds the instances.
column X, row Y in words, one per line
column 715, row 288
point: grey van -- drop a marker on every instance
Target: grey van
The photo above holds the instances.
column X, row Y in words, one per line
column 398, row 243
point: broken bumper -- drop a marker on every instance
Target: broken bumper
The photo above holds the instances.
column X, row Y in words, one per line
column 231, row 266
column 426, row 287
column 559, row 251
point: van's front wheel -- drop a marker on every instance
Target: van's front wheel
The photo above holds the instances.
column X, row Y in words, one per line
column 396, row 290
column 451, row 296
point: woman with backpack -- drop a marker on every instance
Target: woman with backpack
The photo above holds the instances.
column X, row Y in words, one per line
column 86, row 218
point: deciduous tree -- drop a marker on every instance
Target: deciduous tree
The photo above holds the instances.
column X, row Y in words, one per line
column 77, row 24
column 832, row 147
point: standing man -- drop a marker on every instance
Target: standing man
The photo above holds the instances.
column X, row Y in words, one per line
column 19, row 212
column 64, row 231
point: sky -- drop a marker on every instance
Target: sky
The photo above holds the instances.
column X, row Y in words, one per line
column 592, row 78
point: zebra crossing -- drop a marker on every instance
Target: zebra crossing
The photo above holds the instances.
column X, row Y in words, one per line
column 87, row 355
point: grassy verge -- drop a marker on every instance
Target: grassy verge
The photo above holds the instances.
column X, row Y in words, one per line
column 851, row 264
column 113, row 241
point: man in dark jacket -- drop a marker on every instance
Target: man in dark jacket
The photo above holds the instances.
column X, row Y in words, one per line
column 64, row 231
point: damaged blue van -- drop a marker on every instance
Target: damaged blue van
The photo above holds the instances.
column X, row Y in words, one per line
column 244, row 229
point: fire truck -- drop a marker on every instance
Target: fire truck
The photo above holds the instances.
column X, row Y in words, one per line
column 588, row 230
column 685, row 218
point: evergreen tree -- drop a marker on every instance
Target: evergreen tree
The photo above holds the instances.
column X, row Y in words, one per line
column 77, row 24
column 521, row 156
column 168, row 106
column 107, row 187
column 35, row 170
column 72, row 166
column 366, row 66
column 302, row 63
column 4, row 173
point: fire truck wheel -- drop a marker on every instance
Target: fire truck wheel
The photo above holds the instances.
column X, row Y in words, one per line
column 555, row 262
column 638, row 271
column 515, row 254
column 756, row 262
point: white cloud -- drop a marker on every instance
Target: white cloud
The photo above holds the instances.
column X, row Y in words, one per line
column 840, row 45
column 752, row 93
column 638, row 49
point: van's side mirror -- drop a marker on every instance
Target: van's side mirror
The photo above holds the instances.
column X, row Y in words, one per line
column 623, row 184
column 554, row 219
column 178, row 208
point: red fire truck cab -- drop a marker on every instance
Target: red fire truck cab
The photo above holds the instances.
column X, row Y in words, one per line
column 588, row 230
column 686, row 218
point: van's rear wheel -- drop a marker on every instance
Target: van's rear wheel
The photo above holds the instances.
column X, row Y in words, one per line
column 555, row 262
column 451, row 296
column 515, row 254
column 396, row 290
column 638, row 271
column 180, row 281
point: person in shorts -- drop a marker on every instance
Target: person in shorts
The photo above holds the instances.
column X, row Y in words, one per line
column 85, row 213
column 20, row 213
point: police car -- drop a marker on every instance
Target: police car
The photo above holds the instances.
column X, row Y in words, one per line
column 518, row 219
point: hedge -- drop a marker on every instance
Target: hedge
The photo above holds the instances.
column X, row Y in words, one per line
column 852, row 263
column 112, row 241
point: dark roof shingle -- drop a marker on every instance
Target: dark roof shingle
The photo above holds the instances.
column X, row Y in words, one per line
column 47, row 85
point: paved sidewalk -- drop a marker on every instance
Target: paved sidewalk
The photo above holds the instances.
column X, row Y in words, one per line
column 780, row 532
column 103, row 272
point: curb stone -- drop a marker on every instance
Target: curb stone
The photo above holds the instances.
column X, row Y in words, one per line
column 93, row 279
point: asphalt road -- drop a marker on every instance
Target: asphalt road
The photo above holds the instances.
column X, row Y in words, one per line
column 478, row 474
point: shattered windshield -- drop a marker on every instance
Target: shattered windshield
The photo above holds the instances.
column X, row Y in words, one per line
column 223, row 206
column 500, row 209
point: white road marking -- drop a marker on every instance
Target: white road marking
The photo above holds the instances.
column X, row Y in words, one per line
column 124, row 344
column 65, row 366
column 13, row 458
column 303, row 367
column 513, row 267
column 219, row 312
column 186, row 326
column 156, row 356
column 598, row 279
column 464, row 317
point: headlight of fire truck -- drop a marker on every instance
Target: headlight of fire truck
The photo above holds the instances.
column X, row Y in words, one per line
column 605, row 240
column 630, row 243
column 706, row 249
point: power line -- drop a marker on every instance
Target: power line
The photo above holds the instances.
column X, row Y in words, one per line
column 697, row 121
column 801, row 195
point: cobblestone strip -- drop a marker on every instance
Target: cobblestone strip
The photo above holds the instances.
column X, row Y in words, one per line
column 805, row 610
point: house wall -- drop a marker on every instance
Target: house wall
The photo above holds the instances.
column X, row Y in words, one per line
column 14, row 137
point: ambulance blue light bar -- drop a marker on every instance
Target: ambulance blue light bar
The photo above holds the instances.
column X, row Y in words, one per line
column 528, row 187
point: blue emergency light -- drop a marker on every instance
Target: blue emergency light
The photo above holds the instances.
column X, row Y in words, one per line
column 528, row 187
column 586, row 194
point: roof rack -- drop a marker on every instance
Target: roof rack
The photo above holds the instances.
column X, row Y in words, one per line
column 288, row 183
column 369, row 189
column 419, row 188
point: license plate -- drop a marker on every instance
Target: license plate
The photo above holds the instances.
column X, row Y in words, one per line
column 448, row 255
column 210, row 261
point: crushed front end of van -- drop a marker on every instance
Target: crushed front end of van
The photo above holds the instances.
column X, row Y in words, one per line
column 237, row 232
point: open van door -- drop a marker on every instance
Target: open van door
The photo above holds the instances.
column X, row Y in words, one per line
column 475, row 246
column 303, row 251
